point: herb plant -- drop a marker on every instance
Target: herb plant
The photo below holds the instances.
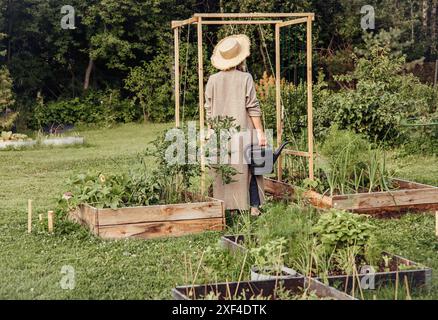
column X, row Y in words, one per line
column 340, row 229
column 347, row 163
column 270, row 257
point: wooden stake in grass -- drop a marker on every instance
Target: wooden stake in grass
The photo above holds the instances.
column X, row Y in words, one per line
column 436, row 223
column 29, row 216
column 50, row 221
column 40, row 217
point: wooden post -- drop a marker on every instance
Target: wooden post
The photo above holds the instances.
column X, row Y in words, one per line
column 201, row 102
column 436, row 223
column 50, row 221
column 29, row 216
column 40, row 217
column 177, row 91
column 278, row 98
column 310, row 96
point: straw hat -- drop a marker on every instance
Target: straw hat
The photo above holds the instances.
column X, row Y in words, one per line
column 231, row 51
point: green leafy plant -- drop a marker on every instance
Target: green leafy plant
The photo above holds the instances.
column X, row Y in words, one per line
column 219, row 263
column 173, row 179
column 165, row 184
column 311, row 258
column 340, row 229
column 168, row 182
column 98, row 190
column 346, row 257
column 269, row 257
column 375, row 97
column 348, row 163
column 223, row 128
column 290, row 222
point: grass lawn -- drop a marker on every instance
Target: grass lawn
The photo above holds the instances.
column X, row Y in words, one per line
column 31, row 265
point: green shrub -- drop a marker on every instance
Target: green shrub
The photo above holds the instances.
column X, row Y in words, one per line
column 375, row 98
column 6, row 100
column 339, row 143
column 6, row 93
column 422, row 141
column 92, row 108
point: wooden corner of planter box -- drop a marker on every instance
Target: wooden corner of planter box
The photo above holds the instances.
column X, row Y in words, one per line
column 87, row 216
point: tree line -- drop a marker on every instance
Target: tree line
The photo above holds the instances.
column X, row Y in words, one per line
column 124, row 48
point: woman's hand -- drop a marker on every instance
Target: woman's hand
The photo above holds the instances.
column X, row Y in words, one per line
column 261, row 137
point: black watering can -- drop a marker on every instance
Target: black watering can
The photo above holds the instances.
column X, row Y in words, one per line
column 261, row 160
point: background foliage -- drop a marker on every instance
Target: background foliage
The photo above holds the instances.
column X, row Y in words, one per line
column 117, row 64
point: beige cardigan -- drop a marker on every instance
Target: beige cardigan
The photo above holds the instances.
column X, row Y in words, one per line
column 232, row 93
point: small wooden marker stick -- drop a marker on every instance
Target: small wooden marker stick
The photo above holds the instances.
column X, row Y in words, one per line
column 40, row 217
column 29, row 216
column 50, row 221
column 436, row 223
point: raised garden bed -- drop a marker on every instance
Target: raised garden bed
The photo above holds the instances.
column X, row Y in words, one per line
column 203, row 214
column 417, row 275
column 62, row 141
column 54, row 142
column 264, row 289
column 410, row 196
column 11, row 144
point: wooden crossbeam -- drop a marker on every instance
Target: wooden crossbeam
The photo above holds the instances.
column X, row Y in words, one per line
column 297, row 153
column 180, row 23
column 293, row 22
column 194, row 20
column 239, row 22
column 254, row 15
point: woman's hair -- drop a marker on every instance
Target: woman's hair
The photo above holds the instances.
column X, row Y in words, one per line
column 242, row 66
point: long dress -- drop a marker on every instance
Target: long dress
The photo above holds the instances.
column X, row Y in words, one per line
column 232, row 93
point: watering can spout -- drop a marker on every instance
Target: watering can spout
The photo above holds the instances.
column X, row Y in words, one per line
column 279, row 150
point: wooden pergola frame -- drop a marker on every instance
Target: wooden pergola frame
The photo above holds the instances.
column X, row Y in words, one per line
column 279, row 20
